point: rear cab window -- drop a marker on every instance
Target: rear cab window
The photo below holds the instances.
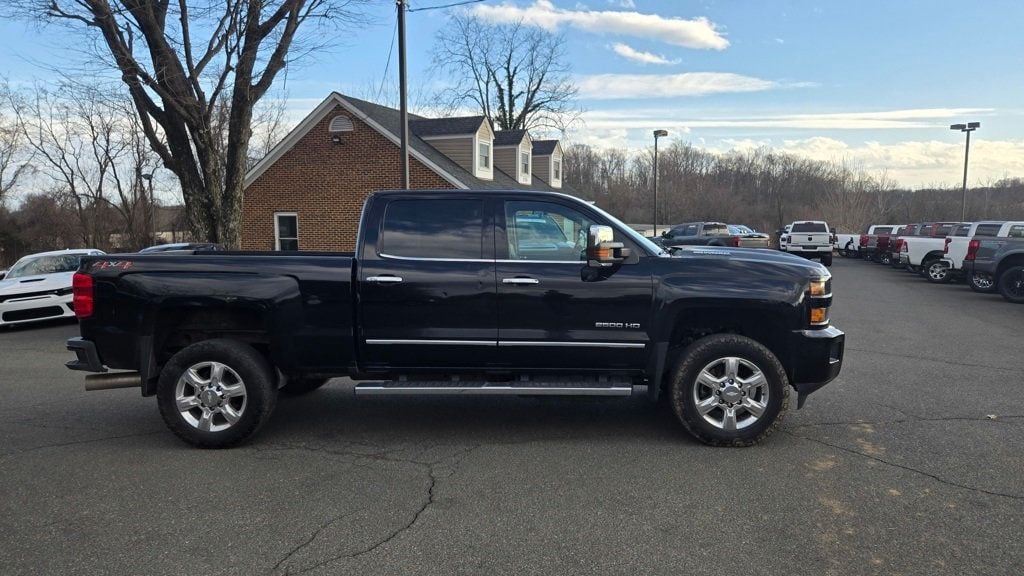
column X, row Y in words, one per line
column 434, row 228
column 961, row 230
column 987, row 229
column 809, row 227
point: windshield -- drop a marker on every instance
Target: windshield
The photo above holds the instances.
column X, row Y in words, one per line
column 39, row 265
column 633, row 234
column 739, row 229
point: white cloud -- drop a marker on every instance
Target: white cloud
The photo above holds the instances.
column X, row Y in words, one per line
column 915, row 118
column 630, row 53
column 699, row 33
column 619, row 86
column 623, row 3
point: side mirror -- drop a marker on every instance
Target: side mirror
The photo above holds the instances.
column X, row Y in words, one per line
column 666, row 234
column 602, row 250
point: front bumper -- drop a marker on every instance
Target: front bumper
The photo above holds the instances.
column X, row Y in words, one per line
column 816, row 360
column 16, row 310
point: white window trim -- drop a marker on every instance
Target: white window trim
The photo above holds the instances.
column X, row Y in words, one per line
column 525, row 177
column 478, row 170
column 277, row 228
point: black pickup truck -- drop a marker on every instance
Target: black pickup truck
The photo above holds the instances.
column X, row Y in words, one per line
column 462, row 292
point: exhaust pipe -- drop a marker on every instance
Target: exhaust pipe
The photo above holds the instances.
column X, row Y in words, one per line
column 112, row 381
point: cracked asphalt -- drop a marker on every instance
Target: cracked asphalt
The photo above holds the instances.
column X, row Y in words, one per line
column 912, row 462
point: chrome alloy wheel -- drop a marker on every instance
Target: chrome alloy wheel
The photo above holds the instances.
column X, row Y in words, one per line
column 210, row 396
column 938, row 271
column 731, row 393
column 982, row 280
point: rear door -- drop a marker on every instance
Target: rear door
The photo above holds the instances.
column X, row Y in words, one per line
column 553, row 313
column 426, row 283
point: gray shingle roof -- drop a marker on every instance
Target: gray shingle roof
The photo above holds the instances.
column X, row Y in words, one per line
column 544, row 147
column 445, row 126
column 391, row 120
column 509, row 137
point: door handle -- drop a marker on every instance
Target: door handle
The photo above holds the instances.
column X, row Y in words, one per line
column 384, row 279
column 520, row 281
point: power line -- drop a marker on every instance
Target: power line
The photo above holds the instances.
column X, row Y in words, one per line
column 452, row 5
column 388, row 65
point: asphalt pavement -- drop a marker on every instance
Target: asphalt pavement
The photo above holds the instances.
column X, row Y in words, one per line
column 911, row 462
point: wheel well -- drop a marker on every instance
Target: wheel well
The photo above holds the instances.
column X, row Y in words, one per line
column 1009, row 262
column 933, row 255
column 177, row 328
column 762, row 326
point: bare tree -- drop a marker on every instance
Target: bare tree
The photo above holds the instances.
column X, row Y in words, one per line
column 516, row 75
column 14, row 156
column 195, row 71
column 90, row 146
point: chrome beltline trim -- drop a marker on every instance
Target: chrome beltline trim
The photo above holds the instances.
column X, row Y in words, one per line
column 440, row 342
column 405, row 342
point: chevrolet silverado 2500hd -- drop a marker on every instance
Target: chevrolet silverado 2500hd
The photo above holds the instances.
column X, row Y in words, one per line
column 463, row 292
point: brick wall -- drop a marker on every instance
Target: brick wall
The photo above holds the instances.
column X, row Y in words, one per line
column 326, row 184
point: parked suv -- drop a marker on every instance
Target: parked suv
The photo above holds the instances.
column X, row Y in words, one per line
column 810, row 239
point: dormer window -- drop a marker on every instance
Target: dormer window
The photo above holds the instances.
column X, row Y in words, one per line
column 485, row 155
column 524, row 163
column 556, row 170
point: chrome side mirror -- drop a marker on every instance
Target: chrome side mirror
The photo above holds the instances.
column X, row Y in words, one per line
column 602, row 250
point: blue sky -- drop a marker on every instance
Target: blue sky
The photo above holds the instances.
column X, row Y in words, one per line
column 874, row 83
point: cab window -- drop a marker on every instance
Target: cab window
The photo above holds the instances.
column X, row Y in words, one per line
column 545, row 231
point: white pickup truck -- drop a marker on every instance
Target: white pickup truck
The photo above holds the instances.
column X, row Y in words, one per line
column 923, row 254
column 958, row 243
column 810, row 239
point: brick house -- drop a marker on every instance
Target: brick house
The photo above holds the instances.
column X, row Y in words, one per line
column 307, row 193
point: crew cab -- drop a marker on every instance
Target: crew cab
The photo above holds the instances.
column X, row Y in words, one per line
column 699, row 234
column 810, row 239
column 999, row 260
column 923, row 253
column 461, row 292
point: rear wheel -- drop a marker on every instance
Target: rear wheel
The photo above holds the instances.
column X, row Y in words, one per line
column 729, row 390
column 826, row 259
column 216, row 393
column 886, row 259
column 1011, row 284
column 936, row 271
column 981, row 282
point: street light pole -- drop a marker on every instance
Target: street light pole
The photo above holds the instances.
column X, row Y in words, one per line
column 657, row 134
column 967, row 128
column 403, row 104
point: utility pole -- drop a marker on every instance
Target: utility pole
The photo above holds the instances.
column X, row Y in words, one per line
column 403, row 104
column 657, row 134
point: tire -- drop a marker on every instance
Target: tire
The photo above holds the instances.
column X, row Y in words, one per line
column 886, row 259
column 936, row 272
column 690, row 393
column 826, row 260
column 191, row 376
column 981, row 282
column 300, row 386
column 1011, row 284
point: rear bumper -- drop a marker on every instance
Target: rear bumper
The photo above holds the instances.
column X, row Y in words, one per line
column 817, row 359
column 86, row 357
column 979, row 267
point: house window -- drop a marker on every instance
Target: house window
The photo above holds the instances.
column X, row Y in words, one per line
column 524, row 159
column 557, row 169
column 485, row 155
column 286, row 231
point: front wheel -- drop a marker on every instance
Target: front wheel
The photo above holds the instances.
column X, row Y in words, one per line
column 1011, row 284
column 981, row 282
column 729, row 390
column 216, row 393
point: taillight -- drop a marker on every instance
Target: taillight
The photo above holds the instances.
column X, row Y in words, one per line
column 945, row 247
column 735, row 241
column 972, row 249
column 863, row 239
column 81, row 287
column 904, row 247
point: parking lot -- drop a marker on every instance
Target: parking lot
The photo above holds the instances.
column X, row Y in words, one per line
column 912, row 462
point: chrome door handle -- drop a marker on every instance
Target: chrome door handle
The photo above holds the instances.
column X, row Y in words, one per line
column 384, row 279
column 520, row 281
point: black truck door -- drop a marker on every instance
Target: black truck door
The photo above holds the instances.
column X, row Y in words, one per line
column 552, row 314
column 426, row 284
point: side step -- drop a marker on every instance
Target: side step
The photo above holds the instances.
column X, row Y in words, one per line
column 456, row 387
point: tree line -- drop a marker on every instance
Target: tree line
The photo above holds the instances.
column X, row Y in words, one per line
column 766, row 189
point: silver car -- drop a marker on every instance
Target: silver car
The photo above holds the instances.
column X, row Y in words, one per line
column 38, row 287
